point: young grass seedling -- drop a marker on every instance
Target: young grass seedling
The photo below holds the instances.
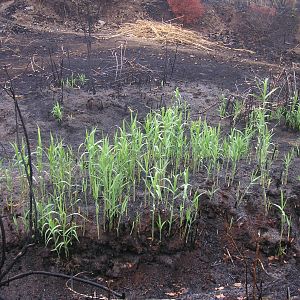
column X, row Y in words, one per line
column 285, row 222
column 223, row 106
column 288, row 158
column 160, row 224
column 57, row 112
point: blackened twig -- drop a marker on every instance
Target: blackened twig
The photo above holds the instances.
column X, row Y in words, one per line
column 174, row 61
column 61, row 81
column 60, row 275
column 246, row 283
column 3, row 238
column 165, row 72
column 27, row 165
column 14, row 261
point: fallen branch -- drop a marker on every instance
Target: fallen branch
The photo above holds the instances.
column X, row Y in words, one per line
column 60, row 275
column 3, row 238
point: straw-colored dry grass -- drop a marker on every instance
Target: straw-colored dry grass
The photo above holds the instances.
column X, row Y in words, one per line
column 164, row 32
column 168, row 33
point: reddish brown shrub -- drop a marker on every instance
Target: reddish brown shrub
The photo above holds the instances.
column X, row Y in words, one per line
column 189, row 10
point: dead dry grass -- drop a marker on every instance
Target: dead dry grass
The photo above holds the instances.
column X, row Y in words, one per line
column 161, row 33
column 166, row 32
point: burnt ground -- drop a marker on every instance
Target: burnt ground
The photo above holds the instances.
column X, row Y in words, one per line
column 37, row 50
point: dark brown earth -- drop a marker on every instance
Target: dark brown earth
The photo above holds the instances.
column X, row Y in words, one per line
column 34, row 36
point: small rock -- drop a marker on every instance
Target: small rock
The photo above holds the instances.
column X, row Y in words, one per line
column 115, row 272
column 166, row 260
column 272, row 236
column 270, row 241
column 101, row 23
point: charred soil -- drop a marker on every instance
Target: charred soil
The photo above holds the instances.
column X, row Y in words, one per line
column 234, row 249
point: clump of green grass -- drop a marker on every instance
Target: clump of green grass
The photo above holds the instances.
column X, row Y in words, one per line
column 145, row 173
column 285, row 223
column 57, row 112
column 74, row 81
column 292, row 114
column 288, row 158
column 236, row 147
column 264, row 146
column 222, row 110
